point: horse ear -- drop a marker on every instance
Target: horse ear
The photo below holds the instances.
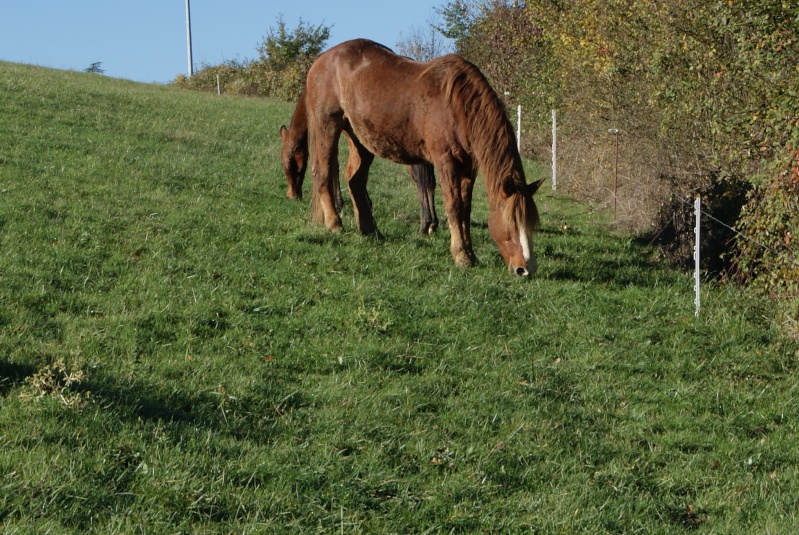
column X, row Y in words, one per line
column 284, row 132
column 532, row 188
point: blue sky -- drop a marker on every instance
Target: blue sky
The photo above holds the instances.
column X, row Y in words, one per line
column 145, row 40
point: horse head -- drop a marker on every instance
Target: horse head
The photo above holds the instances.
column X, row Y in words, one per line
column 294, row 157
column 511, row 225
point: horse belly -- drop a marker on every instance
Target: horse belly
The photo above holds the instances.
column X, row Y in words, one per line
column 384, row 116
column 397, row 144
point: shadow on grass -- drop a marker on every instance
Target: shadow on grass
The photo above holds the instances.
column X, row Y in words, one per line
column 609, row 272
column 630, row 266
column 12, row 375
column 254, row 415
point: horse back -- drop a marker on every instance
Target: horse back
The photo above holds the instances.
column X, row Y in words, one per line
column 395, row 106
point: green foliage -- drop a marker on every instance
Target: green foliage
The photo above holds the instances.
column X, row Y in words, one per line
column 234, row 77
column 283, row 59
column 95, row 68
column 182, row 351
column 459, row 17
column 282, row 49
column 506, row 43
column 768, row 257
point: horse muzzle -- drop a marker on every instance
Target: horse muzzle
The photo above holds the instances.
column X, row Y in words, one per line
column 528, row 269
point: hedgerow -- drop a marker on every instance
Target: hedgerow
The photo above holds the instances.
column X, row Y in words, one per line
column 283, row 59
column 704, row 94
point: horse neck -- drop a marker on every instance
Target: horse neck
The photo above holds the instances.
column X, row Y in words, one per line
column 298, row 129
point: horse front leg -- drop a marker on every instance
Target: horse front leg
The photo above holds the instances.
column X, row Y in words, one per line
column 325, row 178
column 458, row 212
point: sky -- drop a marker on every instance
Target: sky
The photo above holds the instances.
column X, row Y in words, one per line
column 145, row 40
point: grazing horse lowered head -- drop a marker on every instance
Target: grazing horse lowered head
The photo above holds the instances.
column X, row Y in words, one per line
column 442, row 112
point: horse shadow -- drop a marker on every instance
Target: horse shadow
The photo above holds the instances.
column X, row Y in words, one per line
column 620, row 265
column 250, row 414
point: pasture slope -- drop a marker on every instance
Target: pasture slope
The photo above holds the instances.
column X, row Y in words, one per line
column 182, row 351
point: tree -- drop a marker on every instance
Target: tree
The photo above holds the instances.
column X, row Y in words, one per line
column 95, row 68
column 506, row 42
column 459, row 16
column 422, row 44
column 285, row 57
column 282, row 49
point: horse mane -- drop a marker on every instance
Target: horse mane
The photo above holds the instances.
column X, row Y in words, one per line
column 521, row 210
column 488, row 128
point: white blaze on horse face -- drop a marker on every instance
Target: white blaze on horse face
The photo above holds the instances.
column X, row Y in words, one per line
column 525, row 245
column 529, row 257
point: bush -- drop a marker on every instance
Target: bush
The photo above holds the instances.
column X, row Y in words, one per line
column 704, row 95
column 233, row 77
column 768, row 255
column 722, row 202
column 284, row 59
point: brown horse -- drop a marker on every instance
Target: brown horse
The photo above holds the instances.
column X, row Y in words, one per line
column 294, row 157
column 442, row 112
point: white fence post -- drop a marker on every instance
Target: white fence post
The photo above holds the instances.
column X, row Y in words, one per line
column 554, row 151
column 697, row 211
column 519, row 128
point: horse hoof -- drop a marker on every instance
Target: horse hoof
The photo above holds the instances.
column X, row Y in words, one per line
column 335, row 225
column 374, row 233
column 464, row 260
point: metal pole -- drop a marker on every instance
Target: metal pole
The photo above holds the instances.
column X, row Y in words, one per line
column 188, row 38
column 519, row 128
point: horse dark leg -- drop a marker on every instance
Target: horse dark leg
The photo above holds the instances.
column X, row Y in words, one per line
column 424, row 178
column 337, row 196
column 357, row 174
column 467, row 185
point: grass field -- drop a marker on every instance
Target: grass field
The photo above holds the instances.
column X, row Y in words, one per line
column 182, row 351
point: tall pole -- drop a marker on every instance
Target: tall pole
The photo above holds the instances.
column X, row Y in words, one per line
column 188, row 38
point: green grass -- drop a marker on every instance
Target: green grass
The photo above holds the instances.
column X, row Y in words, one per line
column 182, row 351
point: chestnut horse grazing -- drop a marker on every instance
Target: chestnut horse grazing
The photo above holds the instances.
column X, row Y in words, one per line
column 294, row 157
column 442, row 112
column 294, row 151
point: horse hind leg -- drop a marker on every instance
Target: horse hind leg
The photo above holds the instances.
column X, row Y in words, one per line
column 424, row 178
column 357, row 175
